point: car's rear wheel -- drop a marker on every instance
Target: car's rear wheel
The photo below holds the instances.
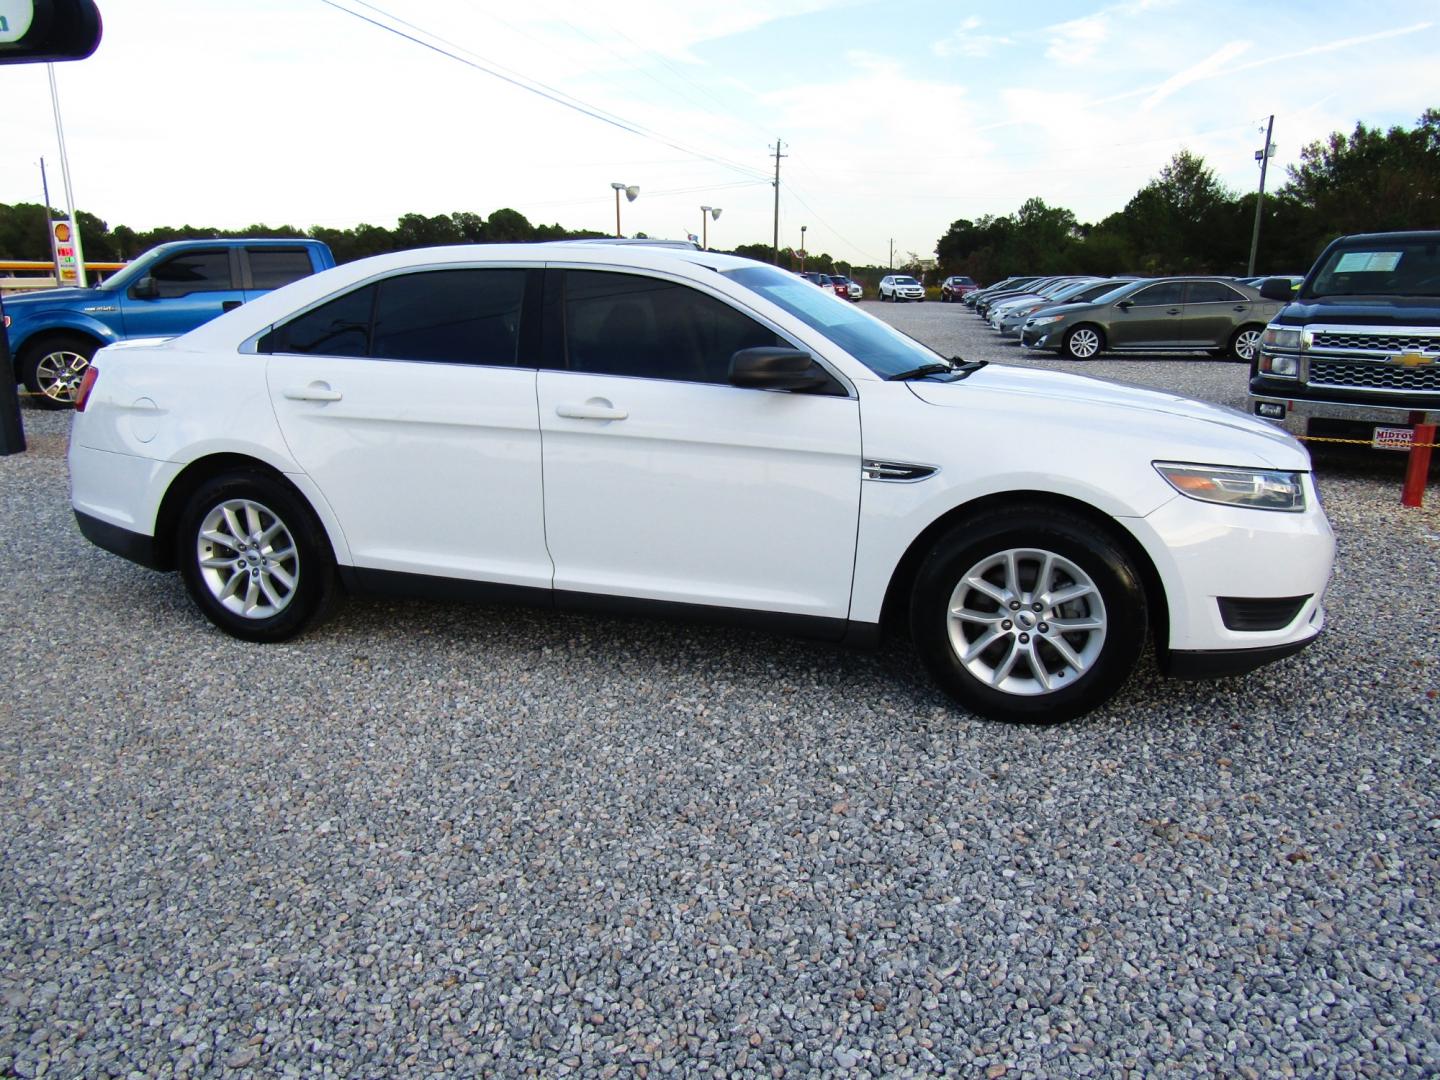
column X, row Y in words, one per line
column 1245, row 343
column 1083, row 342
column 1029, row 614
column 254, row 558
column 53, row 368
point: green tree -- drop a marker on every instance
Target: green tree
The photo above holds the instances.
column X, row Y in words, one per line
column 1368, row 181
column 1183, row 220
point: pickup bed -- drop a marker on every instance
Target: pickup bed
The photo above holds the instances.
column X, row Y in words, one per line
column 167, row 291
column 1360, row 345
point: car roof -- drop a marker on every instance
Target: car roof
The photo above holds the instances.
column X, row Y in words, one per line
column 1410, row 235
column 279, row 304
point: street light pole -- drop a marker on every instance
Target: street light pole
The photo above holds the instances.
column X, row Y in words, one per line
column 802, row 247
column 632, row 192
column 714, row 213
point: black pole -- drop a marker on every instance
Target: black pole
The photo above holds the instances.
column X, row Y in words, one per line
column 12, row 431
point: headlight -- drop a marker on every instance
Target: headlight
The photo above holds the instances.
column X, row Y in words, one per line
column 1287, row 366
column 1045, row 320
column 1281, row 337
column 1259, row 489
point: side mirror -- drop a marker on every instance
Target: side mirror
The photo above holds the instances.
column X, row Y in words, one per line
column 769, row 368
column 145, row 289
column 1125, row 305
column 1276, row 288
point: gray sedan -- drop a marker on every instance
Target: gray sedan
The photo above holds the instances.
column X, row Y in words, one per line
column 1157, row 315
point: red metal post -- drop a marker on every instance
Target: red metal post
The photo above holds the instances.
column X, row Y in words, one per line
column 1417, row 468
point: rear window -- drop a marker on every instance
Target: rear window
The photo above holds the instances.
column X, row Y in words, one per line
column 272, row 267
column 1387, row 268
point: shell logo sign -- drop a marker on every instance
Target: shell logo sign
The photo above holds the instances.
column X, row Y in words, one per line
column 62, row 241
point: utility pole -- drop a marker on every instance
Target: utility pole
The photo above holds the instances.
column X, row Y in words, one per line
column 49, row 224
column 892, row 253
column 1262, row 156
column 775, row 244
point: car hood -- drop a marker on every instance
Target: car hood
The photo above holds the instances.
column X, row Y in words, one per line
column 46, row 298
column 1065, row 406
column 1364, row 311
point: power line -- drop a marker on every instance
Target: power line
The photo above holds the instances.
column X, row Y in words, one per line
column 523, row 82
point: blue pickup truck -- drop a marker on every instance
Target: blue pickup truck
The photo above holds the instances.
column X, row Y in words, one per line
column 167, row 291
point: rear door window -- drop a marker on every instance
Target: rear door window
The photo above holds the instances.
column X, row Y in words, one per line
column 1212, row 292
column 272, row 267
column 467, row 316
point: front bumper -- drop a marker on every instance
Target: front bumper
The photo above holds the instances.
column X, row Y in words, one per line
column 1041, row 337
column 1205, row 553
column 1294, row 413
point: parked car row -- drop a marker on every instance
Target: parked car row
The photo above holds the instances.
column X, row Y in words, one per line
column 1081, row 317
column 839, row 284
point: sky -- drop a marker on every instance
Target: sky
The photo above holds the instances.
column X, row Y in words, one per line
column 897, row 118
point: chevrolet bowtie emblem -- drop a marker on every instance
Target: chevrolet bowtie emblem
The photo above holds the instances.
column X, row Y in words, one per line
column 1412, row 359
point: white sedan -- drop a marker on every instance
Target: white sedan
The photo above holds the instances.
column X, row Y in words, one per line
column 630, row 427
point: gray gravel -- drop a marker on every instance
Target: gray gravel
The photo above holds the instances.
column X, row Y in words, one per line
column 450, row 839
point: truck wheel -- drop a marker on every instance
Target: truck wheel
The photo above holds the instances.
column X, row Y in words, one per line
column 52, row 368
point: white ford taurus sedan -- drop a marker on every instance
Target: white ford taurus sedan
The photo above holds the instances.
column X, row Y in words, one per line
column 679, row 431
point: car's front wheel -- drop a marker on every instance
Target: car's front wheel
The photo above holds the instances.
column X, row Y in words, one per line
column 1083, row 342
column 254, row 558
column 53, row 368
column 1029, row 614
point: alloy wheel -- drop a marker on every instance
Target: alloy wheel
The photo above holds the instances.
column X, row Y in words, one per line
column 1246, row 342
column 1084, row 343
column 1026, row 621
column 58, row 375
column 247, row 559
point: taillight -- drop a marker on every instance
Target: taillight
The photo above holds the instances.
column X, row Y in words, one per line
column 87, row 383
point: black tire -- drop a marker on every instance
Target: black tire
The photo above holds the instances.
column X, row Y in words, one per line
column 1080, row 554
column 1079, row 339
column 311, row 568
column 1243, row 336
column 52, row 366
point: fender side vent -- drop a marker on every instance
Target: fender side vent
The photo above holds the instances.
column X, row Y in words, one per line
column 1269, row 614
column 901, row 472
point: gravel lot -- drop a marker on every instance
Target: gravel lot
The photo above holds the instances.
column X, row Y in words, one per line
column 449, row 839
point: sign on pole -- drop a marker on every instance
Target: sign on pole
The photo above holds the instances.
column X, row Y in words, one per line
column 62, row 244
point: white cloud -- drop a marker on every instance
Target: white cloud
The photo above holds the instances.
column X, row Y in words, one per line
column 966, row 42
column 1211, row 65
column 1077, row 42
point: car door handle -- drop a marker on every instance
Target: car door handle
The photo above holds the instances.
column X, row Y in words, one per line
column 1172, row 311
column 594, row 409
column 316, row 391
column 1239, row 307
column 230, row 305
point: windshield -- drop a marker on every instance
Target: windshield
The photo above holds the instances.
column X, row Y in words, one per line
column 906, row 281
column 1399, row 267
column 877, row 345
